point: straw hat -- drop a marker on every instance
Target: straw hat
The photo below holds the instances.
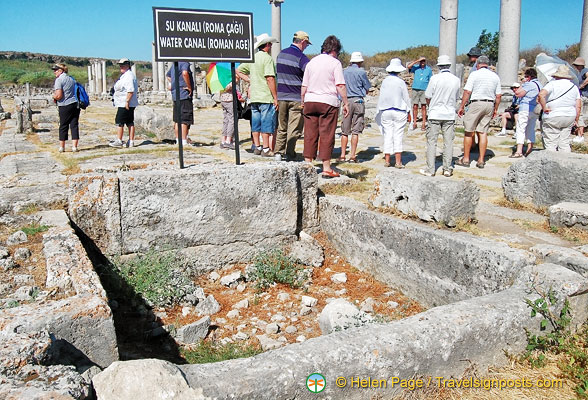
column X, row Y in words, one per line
column 356, row 57
column 302, row 36
column 263, row 39
column 562, row 72
column 443, row 60
column 395, row 66
column 579, row 61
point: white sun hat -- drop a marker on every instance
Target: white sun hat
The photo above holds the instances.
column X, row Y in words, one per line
column 356, row 57
column 395, row 66
column 443, row 60
column 263, row 39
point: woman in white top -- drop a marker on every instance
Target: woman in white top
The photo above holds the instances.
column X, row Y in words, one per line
column 393, row 107
column 561, row 103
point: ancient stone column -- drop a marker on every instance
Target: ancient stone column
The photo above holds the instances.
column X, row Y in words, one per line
column 161, row 71
column 94, row 77
column 134, row 69
column 508, row 48
column 584, row 37
column 98, row 77
column 103, row 76
column 276, row 6
column 154, row 68
column 448, row 30
column 90, row 83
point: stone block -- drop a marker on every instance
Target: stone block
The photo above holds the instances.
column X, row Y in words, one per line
column 195, row 332
column 568, row 214
column 80, row 323
column 566, row 257
column 546, row 178
column 339, row 315
column 94, row 207
column 433, row 266
column 158, row 123
column 142, row 379
column 139, row 210
column 481, row 330
column 429, row 198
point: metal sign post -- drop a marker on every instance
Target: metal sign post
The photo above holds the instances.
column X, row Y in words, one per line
column 206, row 36
column 235, row 116
column 178, row 112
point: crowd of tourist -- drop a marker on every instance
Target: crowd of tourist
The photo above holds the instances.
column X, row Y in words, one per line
column 295, row 95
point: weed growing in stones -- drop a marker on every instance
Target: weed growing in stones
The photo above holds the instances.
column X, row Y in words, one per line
column 34, row 228
column 30, row 209
column 12, row 304
column 273, row 267
column 557, row 339
column 206, row 352
column 156, row 277
column 517, row 205
column 580, row 148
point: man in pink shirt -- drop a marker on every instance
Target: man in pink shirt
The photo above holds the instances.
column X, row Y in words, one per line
column 323, row 81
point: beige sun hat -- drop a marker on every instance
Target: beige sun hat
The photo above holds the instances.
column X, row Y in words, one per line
column 563, row 72
column 395, row 66
column 124, row 61
column 263, row 39
column 302, row 36
column 356, row 57
column 579, row 61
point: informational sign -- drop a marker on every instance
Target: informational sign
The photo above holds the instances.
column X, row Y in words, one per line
column 202, row 35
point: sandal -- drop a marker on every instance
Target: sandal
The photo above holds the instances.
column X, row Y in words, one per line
column 341, row 159
column 386, row 164
column 353, row 160
column 516, row 155
column 481, row 165
column 399, row 166
column 330, row 174
column 462, row 163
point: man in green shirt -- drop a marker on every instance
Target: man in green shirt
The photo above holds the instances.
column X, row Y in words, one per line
column 263, row 94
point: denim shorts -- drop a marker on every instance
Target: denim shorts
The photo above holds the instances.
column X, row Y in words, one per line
column 263, row 118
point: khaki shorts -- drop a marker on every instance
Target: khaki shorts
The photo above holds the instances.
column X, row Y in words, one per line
column 417, row 97
column 478, row 116
column 355, row 121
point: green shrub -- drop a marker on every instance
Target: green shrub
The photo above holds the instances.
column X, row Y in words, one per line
column 273, row 267
column 34, row 228
column 208, row 353
column 156, row 277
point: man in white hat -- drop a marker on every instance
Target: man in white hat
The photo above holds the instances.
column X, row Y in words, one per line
column 125, row 99
column 263, row 94
column 358, row 85
column 442, row 94
column 422, row 75
column 482, row 90
column 582, row 73
column 290, row 67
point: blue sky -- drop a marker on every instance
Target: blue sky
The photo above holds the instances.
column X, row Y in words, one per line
column 115, row 29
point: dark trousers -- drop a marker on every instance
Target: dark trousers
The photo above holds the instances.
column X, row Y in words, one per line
column 320, row 122
column 69, row 119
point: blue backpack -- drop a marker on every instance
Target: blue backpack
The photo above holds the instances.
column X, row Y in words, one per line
column 81, row 95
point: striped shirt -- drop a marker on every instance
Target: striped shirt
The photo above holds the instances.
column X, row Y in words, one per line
column 484, row 85
column 290, row 67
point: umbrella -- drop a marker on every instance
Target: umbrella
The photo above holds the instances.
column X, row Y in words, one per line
column 218, row 76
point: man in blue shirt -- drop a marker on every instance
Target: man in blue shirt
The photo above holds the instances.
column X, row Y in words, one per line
column 358, row 85
column 186, row 117
column 422, row 73
column 582, row 72
column 290, row 67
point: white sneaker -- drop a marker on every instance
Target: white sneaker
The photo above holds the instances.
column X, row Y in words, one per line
column 425, row 173
column 501, row 134
column 116, row 143
column 130, row 143
column 74, row 149
column 578, row 139
column 61, row 149
column 278, row 157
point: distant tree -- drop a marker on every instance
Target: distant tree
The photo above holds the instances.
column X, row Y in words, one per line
column 570, row 53
column 488, row 43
